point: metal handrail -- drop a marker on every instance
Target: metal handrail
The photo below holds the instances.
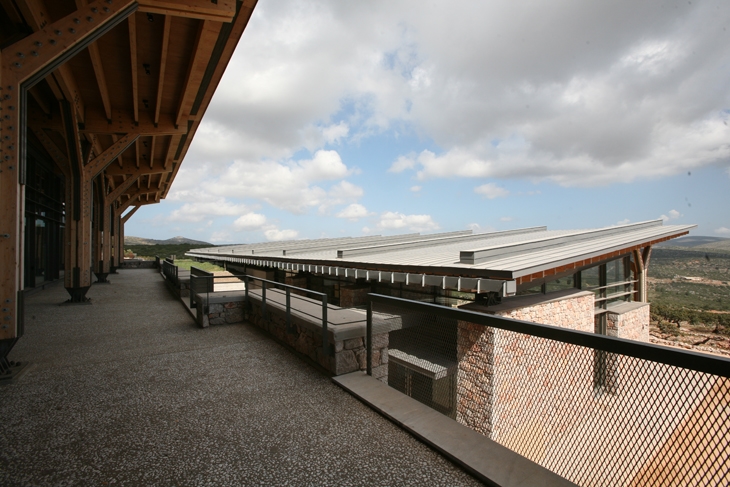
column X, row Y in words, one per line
column 647, row 351
column 287, row 288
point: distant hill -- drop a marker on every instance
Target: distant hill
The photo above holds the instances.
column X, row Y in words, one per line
column 170, row 241
column 714, row 244
column 693, row 241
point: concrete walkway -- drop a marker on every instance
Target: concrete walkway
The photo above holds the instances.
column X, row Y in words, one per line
column 128, row 391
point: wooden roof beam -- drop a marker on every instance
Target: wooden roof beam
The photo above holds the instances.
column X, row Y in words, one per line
column 163, row 63
column 129, row 168
column 100, row 79
column 220, row 11
column 99, row 163
column 174, row 142
column 120, row 209
column 98, row 70
column 204, row 44
column 132, row 20
column 37, row 17
column 122, row 123
column 114, row 195
column 129, row 215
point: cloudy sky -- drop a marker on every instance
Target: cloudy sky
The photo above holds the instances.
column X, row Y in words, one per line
column 350, row 118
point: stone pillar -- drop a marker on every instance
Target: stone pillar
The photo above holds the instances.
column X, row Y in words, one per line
column 475, row 392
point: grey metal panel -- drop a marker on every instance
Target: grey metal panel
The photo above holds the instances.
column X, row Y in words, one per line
column 477, row 256
column 414, row 279
column 550, row 258
column 398, row 277
column 430, row 280
column 450, row 282
column 468, row 283
column 430, row 242
column 490, row 285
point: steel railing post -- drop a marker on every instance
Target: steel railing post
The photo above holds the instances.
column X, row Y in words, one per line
column 325, row 337
column 369, row 337
column 263, row 299
column 288, row 309
column 192, row 290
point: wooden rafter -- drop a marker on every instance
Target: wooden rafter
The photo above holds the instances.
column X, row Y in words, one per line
column 100, row 79
column 220, row 11
column 119, row 190
column 163, row 63
column 204, row 43
column 129, row 214
column 152, row 151
column 133, row 54
column 95, row 167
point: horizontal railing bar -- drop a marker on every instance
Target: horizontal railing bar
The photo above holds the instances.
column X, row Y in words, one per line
column 647, row 351
column 613, row 296
column 616, row 284
column 262, row 280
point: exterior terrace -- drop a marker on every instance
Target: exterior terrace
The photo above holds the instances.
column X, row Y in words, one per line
column 129, row 391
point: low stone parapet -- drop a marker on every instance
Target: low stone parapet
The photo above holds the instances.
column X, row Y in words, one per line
column 303, row 331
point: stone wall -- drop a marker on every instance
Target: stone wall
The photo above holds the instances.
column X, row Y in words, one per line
column 629, row 320
column 492, row 365
column 303, row 335
column 137, row 264
column 573, row 311
column 220, row 313
column 351, row 296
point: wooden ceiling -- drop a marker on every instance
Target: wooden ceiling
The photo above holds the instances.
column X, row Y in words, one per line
column 151, row 76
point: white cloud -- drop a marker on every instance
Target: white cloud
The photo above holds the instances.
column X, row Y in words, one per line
column 222, row 236
column 722, row 231
column 395, row 221
column 624, row 221
column 477, row 228
column 491, row 191
column 506, row 219
column 671, row 215
column 292, row 185
column 198, row 211
column 353, row 212
column 579, row 94
column 274, row 234
column 401, row 164
column 249, row 221
column 333, row 133
column 416, row 189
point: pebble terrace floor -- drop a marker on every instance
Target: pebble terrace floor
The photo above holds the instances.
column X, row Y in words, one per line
column 129, row 391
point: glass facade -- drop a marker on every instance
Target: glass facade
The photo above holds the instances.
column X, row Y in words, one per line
column 44, row 220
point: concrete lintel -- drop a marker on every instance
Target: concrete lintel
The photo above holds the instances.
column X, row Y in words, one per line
column 487, row 460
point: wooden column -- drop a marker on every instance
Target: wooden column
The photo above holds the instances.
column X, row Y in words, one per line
column 639, row 268
column 115, row 252
column 77, row 242
column 22, row 66
column 101, row 231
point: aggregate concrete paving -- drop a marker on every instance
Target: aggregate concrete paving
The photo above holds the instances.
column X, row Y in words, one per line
column 129, row 391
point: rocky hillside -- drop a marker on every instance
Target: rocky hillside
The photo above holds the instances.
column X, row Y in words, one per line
column 129, row 240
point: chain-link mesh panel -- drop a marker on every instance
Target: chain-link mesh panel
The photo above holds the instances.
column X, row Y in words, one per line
column 591, row 416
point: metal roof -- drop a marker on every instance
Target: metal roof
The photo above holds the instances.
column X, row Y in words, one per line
column 506, row 255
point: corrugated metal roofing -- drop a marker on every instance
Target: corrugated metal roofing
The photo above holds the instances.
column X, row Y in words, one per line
column 505, row 255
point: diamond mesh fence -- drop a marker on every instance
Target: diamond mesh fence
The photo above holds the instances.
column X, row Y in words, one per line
column 593, row 409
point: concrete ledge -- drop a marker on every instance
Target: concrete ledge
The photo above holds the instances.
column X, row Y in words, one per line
column 620, row 308
column 527, row 300
column 488, row 461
